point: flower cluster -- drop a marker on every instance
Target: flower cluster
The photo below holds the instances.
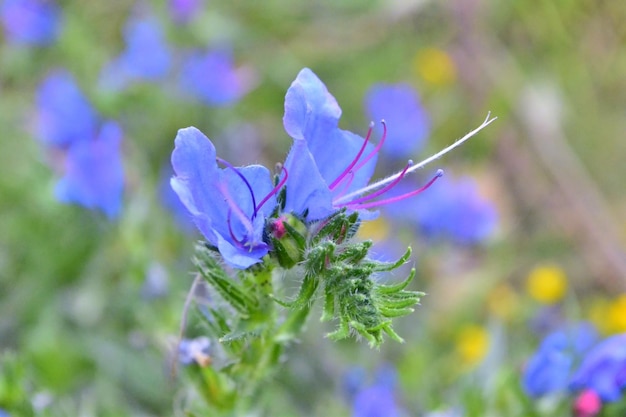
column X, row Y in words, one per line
column 93, row 175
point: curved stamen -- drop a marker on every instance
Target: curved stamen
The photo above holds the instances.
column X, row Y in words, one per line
column 401, row 197
column 382, row 190
column 273, row 192
column 354, row 161
column 238, row 242
column 346, row 185
column 229, row 165
column 236, row 209
column 376, row 149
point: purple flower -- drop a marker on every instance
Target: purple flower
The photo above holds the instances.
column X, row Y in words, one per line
column 603, row 370
column 194, row 350
column 453, row 209
column 549, row 369
column 64, row 115
column 407, row 121
column 30, row 22
column 228, row 205
column 146, row 57
column 328, row 167
column 184, row 10
column 211, row 77
column 379, row 399
column 94, row 176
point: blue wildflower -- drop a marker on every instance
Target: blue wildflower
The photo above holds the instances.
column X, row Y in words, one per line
column 549, row 369
column 407, row 121
column 329, row 168
column 378, row 399
column 146, row 57
column 30, row 22
column 603, row 370
column 229, row 206
column 194, row 351
column 4, row 413
column 94, row 175
column 183, row 11
column 63, row 114
column 211, row 77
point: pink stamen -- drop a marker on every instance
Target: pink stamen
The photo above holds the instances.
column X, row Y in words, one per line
column 400, row 197
column 273, row 192
column 229, row 165
column 346, row 185
column 376, row 149
column 236, row 209
column 381, row 191
column 354, row 161
column 232, row 233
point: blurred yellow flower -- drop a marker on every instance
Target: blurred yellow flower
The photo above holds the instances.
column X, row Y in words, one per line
column 472, row 344
column 434, row 66
column 616, row 317
column 547, row 284
column 377, row 230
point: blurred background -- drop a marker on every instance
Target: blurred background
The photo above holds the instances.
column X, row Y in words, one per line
column 524, row 234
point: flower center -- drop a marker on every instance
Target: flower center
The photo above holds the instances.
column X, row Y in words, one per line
column 246, row 241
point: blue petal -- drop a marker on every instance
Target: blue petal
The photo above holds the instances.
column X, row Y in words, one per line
column 309, row 108
column 306, row 189
column 196, row 171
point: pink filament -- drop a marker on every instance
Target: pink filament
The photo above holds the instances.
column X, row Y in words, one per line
column 376, row 149
column 400, row 197
column 354, row 161
column 271, row 193
column 381, row 191
column 229, row 165
column 236, row 209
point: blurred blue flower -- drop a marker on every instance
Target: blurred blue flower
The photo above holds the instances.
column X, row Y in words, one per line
column 4, row 413
column 63, row 114
column 378, row 399
column 603, row 370
column 194, row 350
column 211, row 77
column 407, row 121
column 549, row 369
column 453, row 209
column 94, row 175
column 228, row 205
column 183, row 11
column 146, row 57
column 30, row 22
